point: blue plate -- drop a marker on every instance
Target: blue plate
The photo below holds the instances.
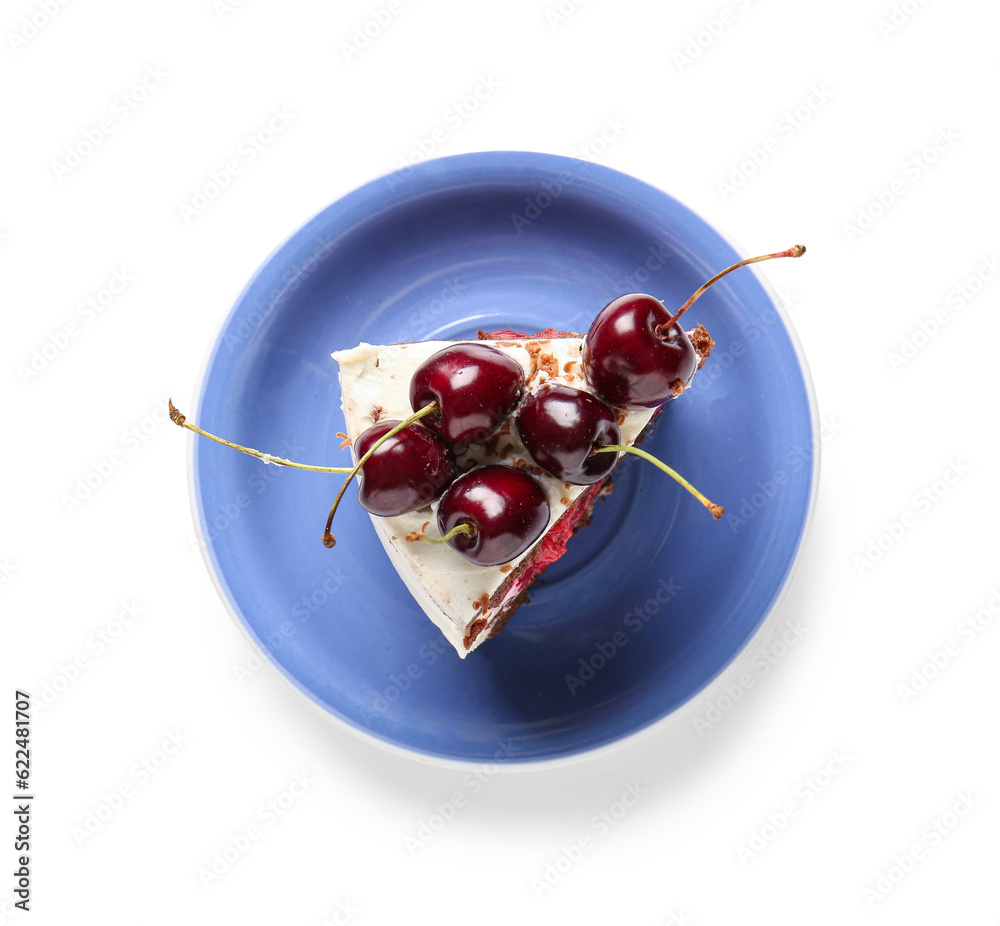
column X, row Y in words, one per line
column 652, row 601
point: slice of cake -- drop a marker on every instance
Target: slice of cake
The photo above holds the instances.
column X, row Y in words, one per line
column 469, row 602
column 502, row 518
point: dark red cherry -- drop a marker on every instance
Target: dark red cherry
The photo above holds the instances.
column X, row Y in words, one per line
column 561, row 426
column 636, row 355
column 407, row 472
column 633, row 357
column 476, row 388
column 506, row 507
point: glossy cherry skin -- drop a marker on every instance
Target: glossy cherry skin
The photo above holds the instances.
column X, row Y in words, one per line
column 560, row 427
column 476, row 388
column 407, row 472
column 505, row 505
column 631, row 359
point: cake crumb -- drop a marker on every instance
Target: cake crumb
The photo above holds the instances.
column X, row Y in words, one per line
column 534, row 349
column 377, row 413
column 549, row 364
column 564, row 500
column 482, row 602
column 345, row 441
column 506, row 567
column 677, row 387
column 415, row 536
column 620, row 418
column 703, row 343
column 568, row 366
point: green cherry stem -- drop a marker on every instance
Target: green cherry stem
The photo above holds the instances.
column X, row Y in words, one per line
column 328, row 539
column 796, row 250
column 177, row 418
column 717, row 510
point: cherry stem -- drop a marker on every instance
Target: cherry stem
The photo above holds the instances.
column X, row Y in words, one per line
column 717, row 510
column 328, row 539
column 177, row 418
column 796, row 250
column 466, row 527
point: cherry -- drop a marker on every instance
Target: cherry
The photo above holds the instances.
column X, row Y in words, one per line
column 635, row 353
column 561, row 426
column 634, row 357
column 406, row 472
column 475, row 386
column 492, row 514
column 328, row 539
column 417, row 466
column 570, row 433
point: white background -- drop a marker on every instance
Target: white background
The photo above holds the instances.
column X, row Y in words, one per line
column 788, row 806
